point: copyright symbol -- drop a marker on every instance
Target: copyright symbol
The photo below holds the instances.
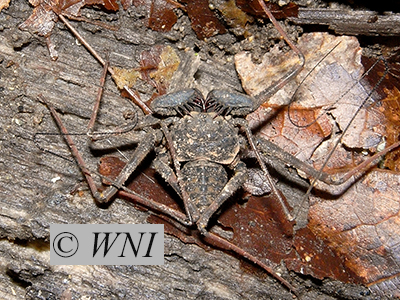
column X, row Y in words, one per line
column 65, row 244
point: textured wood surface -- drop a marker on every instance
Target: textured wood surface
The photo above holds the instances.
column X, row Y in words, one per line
column 35, row 187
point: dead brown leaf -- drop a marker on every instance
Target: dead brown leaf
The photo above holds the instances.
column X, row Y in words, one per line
column 203, row 20
column 162, row 15
column 390, row 103
column 391, row 108
column 361, row 226
column 234, row 16
column 157, row 67
column 331, row 87
column 364, row 227
column 41, row 21
column 260, row 228
column 125, row 77
column 44, row 15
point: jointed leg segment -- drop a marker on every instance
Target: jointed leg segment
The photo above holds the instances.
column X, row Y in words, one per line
column 234, row 183
column 269, row 149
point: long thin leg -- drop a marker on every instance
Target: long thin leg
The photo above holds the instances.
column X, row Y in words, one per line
column 155, row 206
column 190, row 208
column 102, row 135
column 96, row 107
column 135, row 97
column 277, row 85
column 243, row 123
column 167, row 174
column 105, row 134
column 74, row 150
column 140, row 153
column 217, row 241
column 269, row 149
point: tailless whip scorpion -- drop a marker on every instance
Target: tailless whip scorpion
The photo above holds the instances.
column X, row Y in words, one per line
column 205, row 138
